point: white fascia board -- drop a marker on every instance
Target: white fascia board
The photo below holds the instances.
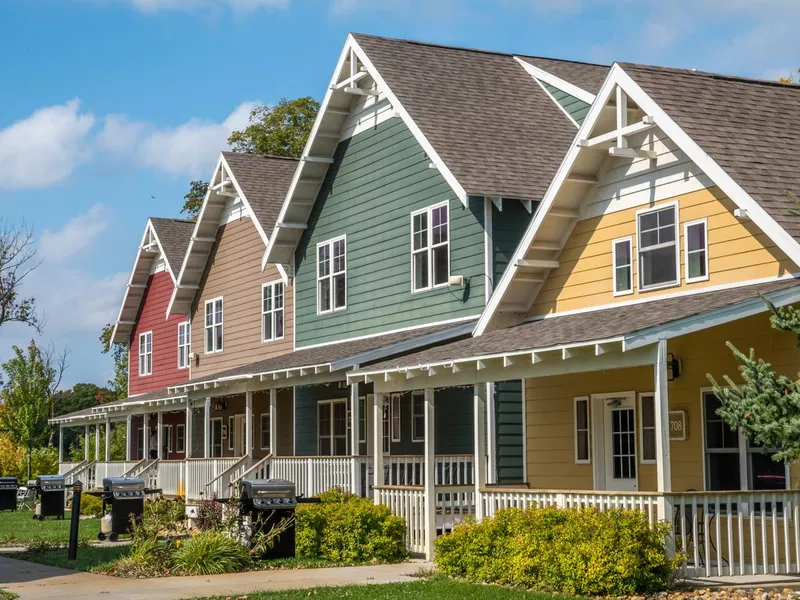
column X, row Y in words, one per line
column 161, row 250
column 243, row 198
column 547, row 201
column 710, row 167
column 563, row 85
column 712, row 318
column 190, row 249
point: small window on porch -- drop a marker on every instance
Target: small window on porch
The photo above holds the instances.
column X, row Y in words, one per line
column 265, row 441
column 647, row 411
column 332, row 428
column 362, row 420
column 623, row 266
column 418, row 416
column 168, row 440
column 396, row 417
column 231, row 425
column 180, row 439
column 582, row 454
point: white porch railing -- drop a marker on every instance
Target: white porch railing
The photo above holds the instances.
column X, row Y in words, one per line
column 66, row 467
column 220, row 486
column 260, row 470
column 171, row 476
column 113, row 468
column 315, row 474
column 408, row 503
column 200, row 471
column 452, row 469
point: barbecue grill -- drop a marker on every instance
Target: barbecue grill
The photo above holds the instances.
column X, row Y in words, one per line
column 266, row 503
column 50, row 496
column 8, row 493
column 125, row 496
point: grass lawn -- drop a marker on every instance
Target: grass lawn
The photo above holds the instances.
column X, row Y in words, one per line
column 438, row 587
column 18, row 528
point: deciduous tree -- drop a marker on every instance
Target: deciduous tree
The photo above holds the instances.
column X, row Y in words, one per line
column 17, row 261
column 119, row 352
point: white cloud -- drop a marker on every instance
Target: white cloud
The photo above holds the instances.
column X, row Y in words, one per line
column 189, row 149
column 44, row 148
column 76, row 236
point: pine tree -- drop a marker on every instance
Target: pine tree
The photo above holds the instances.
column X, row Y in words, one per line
column 766, row 407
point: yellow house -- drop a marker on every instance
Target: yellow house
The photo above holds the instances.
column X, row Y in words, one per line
column 667, row 221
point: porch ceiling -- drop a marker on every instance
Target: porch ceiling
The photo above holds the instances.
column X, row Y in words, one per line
column 620, row 329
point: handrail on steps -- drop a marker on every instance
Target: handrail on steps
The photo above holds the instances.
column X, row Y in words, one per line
column 230, row 470
column 136, row 465
column 76, row 469
column 255, row 467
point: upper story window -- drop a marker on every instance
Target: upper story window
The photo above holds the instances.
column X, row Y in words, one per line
column 332, row 275
column 146, row 353
column 658, row 247
column 430, row 247
column 184, row 344
column 213, row 325
column 272, row 311
column 623, row 266
column 695, row 241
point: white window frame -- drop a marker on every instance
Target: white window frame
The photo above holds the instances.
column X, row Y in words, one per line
column 642, row 459
column 614, row 265
column 186, row 326
column 263, row 429
column 396, row 418
column 575, row 401
column 273, row 312
column 332, row 431
column 168, row 437
column 363, row 406
column 429, row 246
column 417, row 436
column 686, row 252
column 667, row 284
column 214, row 325
column 148, row 352
column 330, row 276
column 180, row 438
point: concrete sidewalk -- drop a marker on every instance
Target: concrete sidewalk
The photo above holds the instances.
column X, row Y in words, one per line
column 32, row 581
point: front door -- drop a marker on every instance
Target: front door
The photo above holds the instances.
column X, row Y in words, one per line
column 619, row 441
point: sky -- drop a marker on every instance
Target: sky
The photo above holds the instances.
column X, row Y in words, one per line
column 109, row 108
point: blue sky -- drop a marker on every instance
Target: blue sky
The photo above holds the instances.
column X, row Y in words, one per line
column 110, row 107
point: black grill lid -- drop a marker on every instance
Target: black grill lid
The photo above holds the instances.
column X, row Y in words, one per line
column 123, row 483
column 50, row 479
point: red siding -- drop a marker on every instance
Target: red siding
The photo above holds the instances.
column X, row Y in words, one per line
column 152, row 317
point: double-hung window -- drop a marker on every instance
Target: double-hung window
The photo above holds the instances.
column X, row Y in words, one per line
column 623, row 266
column 265, row 441
column 180, row 439
column 647, row 415
column 332, row 427
column 430, row 247
column 272, row 311
column 184, row 344
column 146, row 353
column 214, row 325
column 418, row 416
column 658, row 247
column 695, row 242
column 332, row 275
column 397, row 400
column 231, row 426
column 582, row 440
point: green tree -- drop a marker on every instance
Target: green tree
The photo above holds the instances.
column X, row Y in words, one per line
column 279, row 130
column 766, row 407
column 31, row 381
column 119, row 352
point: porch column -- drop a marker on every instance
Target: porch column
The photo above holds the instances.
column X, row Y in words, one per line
column 663, row 465
column 273, row 421
column 86, row 443
column 97, row 441
column 377, row 443
column 207, row 430
column 187, row 431
column 355, row 417
column 108, row 439
column 480, row 446
column 160, row 434
column 128, row 436
column 61, row 443
column 491, row 438
column 430, row 474
column 248, row 423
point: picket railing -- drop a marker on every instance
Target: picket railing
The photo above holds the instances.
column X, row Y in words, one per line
column 260, row 470
column 172, row 477
column 408, row 503
column 220, row 486
column 315, row 474
column 451, row 469
column 200, row 471
column 453, row 504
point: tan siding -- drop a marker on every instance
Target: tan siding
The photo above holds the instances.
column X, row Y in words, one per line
column 549, row 404
column 737, row 251
column 234, row 272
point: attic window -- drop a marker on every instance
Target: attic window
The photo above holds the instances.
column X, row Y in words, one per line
column 658, row 247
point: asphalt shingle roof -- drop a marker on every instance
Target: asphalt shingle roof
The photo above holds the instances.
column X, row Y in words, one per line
column 582, row 327
column 174, row 235
column 264, row 180
column 586, row 76
column 495, row 128
column 750, row 128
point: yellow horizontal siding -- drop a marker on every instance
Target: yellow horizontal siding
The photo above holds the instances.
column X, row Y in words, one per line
column 737, row 251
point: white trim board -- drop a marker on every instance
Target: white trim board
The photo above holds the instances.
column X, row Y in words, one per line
column 618, row 77
column 565, row 86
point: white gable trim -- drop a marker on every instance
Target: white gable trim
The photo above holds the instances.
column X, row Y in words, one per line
column 563, row 85
column 397, row 108
column 718, row 176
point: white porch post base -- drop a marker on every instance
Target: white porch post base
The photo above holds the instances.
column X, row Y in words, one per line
column 430, row 474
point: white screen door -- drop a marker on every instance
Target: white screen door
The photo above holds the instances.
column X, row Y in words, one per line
column 619, row 432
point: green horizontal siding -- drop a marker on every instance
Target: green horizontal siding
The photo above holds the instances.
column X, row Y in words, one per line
column 508, row 227
column 378, row 179
column 575, row 107
column 508, row 431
